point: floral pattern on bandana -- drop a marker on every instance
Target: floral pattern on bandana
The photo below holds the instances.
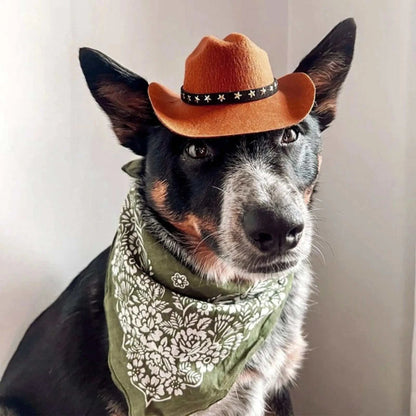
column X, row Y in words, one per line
column 179, row 280
column 170, row 340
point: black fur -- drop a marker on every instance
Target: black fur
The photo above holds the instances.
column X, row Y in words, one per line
column 60, row 366
column 111, row 85
column 328, row 65
column 282, row 404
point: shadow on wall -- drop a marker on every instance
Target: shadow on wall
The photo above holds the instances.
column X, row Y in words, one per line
column 23, row 303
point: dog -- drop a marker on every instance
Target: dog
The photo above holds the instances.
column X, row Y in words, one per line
column 232, row 208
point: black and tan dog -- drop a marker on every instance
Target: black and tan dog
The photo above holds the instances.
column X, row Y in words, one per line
column 237, row 207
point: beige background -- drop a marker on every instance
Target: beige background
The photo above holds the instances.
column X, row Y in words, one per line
column 61, row 186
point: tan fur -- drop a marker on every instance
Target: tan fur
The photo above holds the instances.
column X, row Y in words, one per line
column 128, row 104
column 309, row 190
column 294, row 357
column 324, row 83
column 159, row 193
column 123, row 98
column 114, row 409
column 308, row 193
column 190, row 226
column 248, row 376
column 328, row 106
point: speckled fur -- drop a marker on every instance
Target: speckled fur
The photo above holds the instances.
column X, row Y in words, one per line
column 277, row 361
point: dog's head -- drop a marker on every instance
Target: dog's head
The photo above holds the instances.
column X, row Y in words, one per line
column 237, row 206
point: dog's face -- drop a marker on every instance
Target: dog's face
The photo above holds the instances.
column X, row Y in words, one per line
column 237, row 205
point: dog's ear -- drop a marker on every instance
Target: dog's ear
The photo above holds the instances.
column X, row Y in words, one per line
column 122, row 95
column 328, row 65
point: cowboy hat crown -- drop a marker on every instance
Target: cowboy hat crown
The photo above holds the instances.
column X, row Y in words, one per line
column 229, row 89
column 232, row 64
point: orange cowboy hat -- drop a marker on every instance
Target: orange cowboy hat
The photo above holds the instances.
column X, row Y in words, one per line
column 229, row 89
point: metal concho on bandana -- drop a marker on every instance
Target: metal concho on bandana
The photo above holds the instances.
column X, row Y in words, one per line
column 178, row 342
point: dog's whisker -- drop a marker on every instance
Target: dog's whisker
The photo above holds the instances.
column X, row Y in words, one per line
column 318, row 250
column 319, row 238
column 204, row 239
column 218, row 188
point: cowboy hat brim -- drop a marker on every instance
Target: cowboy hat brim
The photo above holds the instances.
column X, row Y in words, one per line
column 288, row 106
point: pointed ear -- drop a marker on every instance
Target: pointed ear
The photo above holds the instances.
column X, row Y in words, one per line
column 328, row 65
column 122, row 95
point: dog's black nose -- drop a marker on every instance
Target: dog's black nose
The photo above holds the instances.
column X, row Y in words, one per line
column 270, row 232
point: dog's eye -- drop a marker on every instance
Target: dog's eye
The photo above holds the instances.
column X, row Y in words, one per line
column 197, row 150
column 290, row 135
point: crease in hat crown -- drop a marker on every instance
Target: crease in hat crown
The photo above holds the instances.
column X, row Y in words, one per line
column 234, row 63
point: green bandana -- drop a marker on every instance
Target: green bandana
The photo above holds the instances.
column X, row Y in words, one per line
column 178, row 342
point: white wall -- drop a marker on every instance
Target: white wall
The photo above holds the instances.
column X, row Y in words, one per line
column 36, row 164
column 62, row 188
